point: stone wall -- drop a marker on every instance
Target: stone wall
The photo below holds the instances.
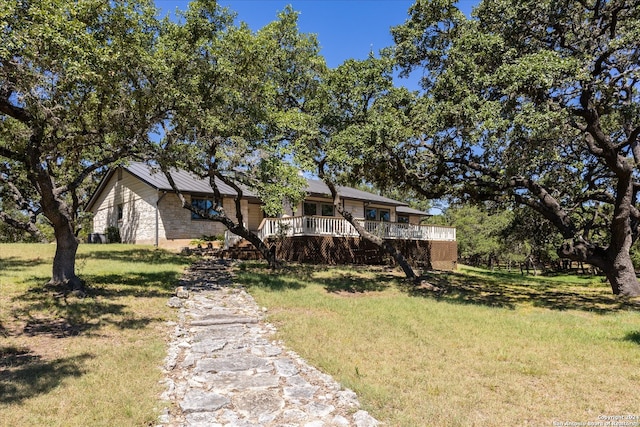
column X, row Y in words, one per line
column 177, row 223
column 137, row 201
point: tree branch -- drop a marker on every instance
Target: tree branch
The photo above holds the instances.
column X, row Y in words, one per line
column 12, row 111
column 237, row 199
column 29, row 226
column 13, row 155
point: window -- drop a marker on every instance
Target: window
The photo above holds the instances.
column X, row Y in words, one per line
column 203, row 205
column 403, row 219
column 309, row 209
column 120, row 212
column 375, row 214
column 312, row 209
column 327, row 210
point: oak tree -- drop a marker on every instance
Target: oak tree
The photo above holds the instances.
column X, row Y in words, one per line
column 78, row 80
column 230, row 101
column 529, row 103
column 338, row 117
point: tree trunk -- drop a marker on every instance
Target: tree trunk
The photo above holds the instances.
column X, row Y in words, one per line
column 615, row 263
column 531, row 261
column 614, row 260
column 60, row 217
column 268, row 254
column 378, row 241
column 618, row 266
column 64, row 261
column 621, row 275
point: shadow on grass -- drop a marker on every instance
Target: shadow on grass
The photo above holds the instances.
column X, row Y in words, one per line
column 56, row 318
column 135, row 323
column 633, row 337
column 353, row 284
column 289, row 276
column 509, row 291
column 151, row 285
column 273, row 281
column 144, row 255
column 56, row 327
column 15, row 263
column 297, row 276
column 24, row 375
column 43, row 312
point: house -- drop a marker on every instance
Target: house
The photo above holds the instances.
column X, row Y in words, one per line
column 142, row 205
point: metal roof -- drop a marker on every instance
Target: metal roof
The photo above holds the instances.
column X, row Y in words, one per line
column 185, row 181
column 319, row 188
column 190, row 183
column 411, row 211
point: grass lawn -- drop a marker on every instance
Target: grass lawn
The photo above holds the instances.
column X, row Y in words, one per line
column 84, row 362
column 493, row 349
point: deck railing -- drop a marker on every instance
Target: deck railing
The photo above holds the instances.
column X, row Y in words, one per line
column 340, row 227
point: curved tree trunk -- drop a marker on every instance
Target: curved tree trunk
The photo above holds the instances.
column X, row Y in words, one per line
column 58, row 213
column 614, row 260
column 388, row 247
column 618, row 266
column 622, row 276
column 615, row 263
column 237, row 228
column 265, row 251
column 376, row 240
column 64, row 262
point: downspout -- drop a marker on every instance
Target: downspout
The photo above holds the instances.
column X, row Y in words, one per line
column 164, row 193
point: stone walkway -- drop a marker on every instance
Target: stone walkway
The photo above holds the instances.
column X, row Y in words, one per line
column 223, row 368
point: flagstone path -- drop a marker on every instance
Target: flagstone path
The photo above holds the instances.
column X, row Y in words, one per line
column 223, row 368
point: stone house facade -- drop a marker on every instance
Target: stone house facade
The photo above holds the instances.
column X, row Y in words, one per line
column 141, row 204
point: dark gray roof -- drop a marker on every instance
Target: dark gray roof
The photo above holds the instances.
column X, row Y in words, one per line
column 319, row 188
column 189, row 183
column 185, row 181
column 411, row 211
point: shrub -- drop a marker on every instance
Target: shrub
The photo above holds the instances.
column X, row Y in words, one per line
column 113, row 235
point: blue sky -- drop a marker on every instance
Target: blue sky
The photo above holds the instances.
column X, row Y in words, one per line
column 345, row 28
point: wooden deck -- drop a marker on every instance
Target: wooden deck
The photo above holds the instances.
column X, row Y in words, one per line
column 299, row 226
column 352, row 250
column 339, row 227
column 330, row 240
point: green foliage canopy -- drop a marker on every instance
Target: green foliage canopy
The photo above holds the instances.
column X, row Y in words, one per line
column 78, row 91
column 233, row 90
column 529, row 103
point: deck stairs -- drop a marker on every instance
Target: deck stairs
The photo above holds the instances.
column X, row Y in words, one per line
column 243, row 250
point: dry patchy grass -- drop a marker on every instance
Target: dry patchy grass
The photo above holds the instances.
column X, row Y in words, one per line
column 492, row 349
column 92, row 361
